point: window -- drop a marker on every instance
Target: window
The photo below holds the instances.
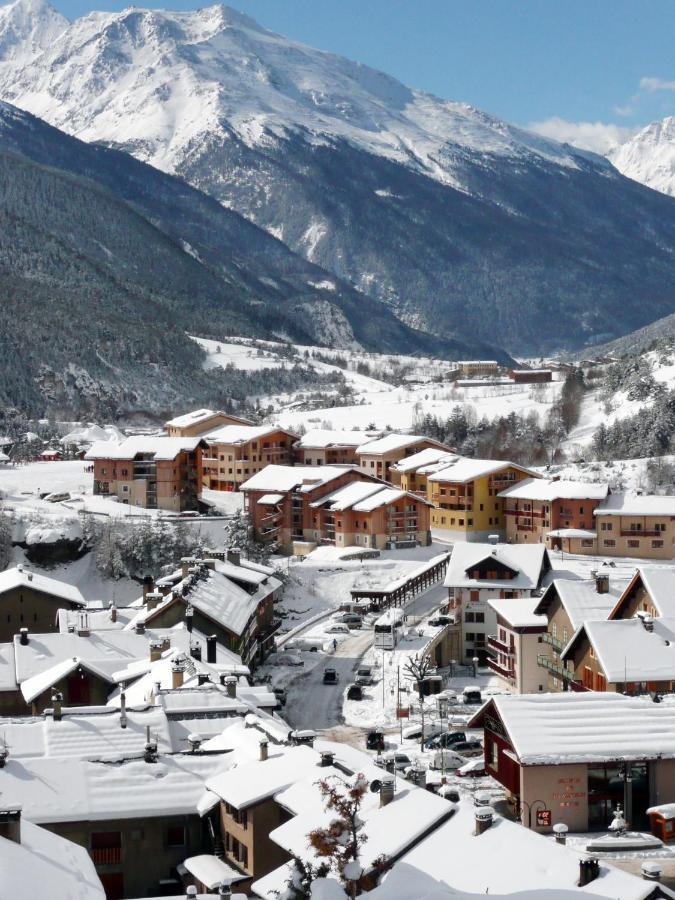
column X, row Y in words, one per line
column 474, row 596
column 600, row 682
column 606, row 526
column 480, row 617
column 587, row 542
column 469, row 522
column 493, row 761
column 659, row 526
column 470, row 636
column 607, row 543
column 633, row 543
column 581, row 510
column 657, row 544
column 469, row 617
column 587, row 679
column 591, row 652
column 106, row 847
column 175, row 836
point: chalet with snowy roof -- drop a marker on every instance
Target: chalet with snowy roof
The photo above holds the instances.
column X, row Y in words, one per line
column 478, row 573
column 237, row 614
column 466, row 497
column 34, row 861
column 636, row 525
column 633, row 656
column 571, row 758
column 200, row 422
column 537, row 510
column 321, row 447
column 236, row 452
column 31, row 600
column 651, row 591
column 377, row 457
column 153, row 472
column 567, row 604
column 371, row 514
column 278, row 502
column 411, row 473
column 123, row 784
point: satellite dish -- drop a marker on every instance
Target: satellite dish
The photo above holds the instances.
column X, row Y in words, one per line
column 375, row 786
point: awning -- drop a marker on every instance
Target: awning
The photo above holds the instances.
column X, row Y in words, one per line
column 211, row 871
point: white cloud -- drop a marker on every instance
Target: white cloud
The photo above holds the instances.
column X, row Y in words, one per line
column 651, row 85
column 600, row 137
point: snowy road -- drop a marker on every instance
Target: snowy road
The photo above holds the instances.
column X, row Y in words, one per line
column 313, row 704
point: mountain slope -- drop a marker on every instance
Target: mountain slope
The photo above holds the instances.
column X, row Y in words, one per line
column 649, row 156
column 462, row 224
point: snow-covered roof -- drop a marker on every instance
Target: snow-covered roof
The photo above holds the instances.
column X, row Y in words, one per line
column 577, row 727
column 393, row 441
column 583, row 533
column 666, row 810
column 527, row 560
column 160, row 447
column 287, row 478
column 46, row 864
column 549, row 489
column 504, row 860
column 627, row 651
column 659, row 582
column 469, row 469
column 253, row 782
column 211, row 871
column 199, row 415
column 323, row 439
column 20, row 577
column 581, row 599
column 91, row 433
column 270, row 499
column 382, row 498
column 424, row 458
column 631, row 504
column 519, row 612
column 241, row 434
column 242, row 573
column 364, row 496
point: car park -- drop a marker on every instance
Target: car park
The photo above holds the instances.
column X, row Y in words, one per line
column 445, row 739
column 447, row 760
column 338, row 628
column 468, row 748
column 354, row 692
column 330, row 676
column 475, row 768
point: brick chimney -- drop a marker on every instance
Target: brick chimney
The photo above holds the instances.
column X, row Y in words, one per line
column 57, row 706
column 387, row 784
column 264, row 750
column 177, row 674
column 156, row 650
column 148, row 585
column 589, row 870
column 234, row 556
column 327, row 758
column 601, row 583
column 484, row 816
column 113, row 611
column 648, row 623
column 153, row 599
column 230, row 683
column 10, row 823
column 140, row 628
column 185, row 564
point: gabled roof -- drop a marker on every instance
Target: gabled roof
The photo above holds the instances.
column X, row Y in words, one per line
column 303, row 479
column 551, row 489
column 365, row 496
column 518, row 613
column 242, row 434
column 469, row 469
column 627, row 651
column 38, row 684
column 624, row 503
column 577, row 727
column 253, row 782
column 659, row 582
column 323, row 439
column 581, row 599
column 393, row 441
column 160, row 447
column 20, row 577
column 426, row 457
column 201, row 415
column 528, row 561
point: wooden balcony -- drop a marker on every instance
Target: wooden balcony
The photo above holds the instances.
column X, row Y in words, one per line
column 508, row 674
column 497, row 645
column 107, row 856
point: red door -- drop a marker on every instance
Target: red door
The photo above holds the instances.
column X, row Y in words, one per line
column 77, row 691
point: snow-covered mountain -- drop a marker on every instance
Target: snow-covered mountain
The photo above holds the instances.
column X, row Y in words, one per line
column 649, row 156
column 462, row 224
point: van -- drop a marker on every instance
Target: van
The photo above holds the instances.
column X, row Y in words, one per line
column 364, row 675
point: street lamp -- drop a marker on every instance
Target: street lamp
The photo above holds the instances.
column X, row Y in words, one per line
column 475, row 662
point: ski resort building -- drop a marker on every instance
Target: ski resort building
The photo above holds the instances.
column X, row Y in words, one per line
column 541, row 509
column 471, row 368
column 153, row 472
column 328, row 448
column 412, row 472
column 200, row 422
column 236, row 452
column 378, row 457
column 636, row 525
column 466, row 496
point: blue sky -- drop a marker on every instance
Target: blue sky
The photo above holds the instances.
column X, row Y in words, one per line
column 584, row 70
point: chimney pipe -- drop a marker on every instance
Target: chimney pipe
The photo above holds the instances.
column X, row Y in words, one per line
column 327, row 758
column 123, row 710
column 225, row 890
column 196, row 651
column 150, row 754
column 190, row 892
column 231, row 686
column 152, row 600
column 234, row 556
column 177, row 673
column 148, row 585
column 602, row 584
column 156, row 648
column 651, row 871
column 589, row 869
column 648, row 623
column 263, row 749
column 560, row 831
column 10, row 824
column 483, row 816
column 57, row 706
column 113, row 612
column 386, row 790
column 23, row 637
column 140, row 628
column 194, row 742
column 211, row 648
column 189, row 613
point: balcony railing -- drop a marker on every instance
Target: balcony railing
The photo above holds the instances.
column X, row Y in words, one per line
column 525, row 527
column 497, row 645
column 638, row 534
column 509, row 674
column 555, row 668
column 107, row 856
column 547, row 638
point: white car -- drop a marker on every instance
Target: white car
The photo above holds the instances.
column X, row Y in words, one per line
column 446, row 759
column 337, row 628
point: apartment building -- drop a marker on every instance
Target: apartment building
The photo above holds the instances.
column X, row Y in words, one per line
column 321, row 447
column 377, row 457
column 411, row 473
column 515, row 644
column 636, row 525
column 537, row 510
column 236, row 452
column 200, row 422
column 478, row 573
column 478, row 367
column 466, row 497
column 149, row 472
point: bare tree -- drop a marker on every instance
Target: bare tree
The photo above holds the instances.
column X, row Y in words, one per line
column 341, row 840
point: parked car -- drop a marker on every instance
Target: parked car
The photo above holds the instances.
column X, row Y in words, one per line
column 280, row 694
column 287, row 659
column 338, row 628
column 444, row 740
column 468, row 748
column 472, row 694
column 398, row 761
column 350, row 619
column 475, row 768
column 446, row 759
column 330, row 676
column 354, row 692
column 364, row 675
column 414, row 732
column 375, row 740
column 440, row 621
